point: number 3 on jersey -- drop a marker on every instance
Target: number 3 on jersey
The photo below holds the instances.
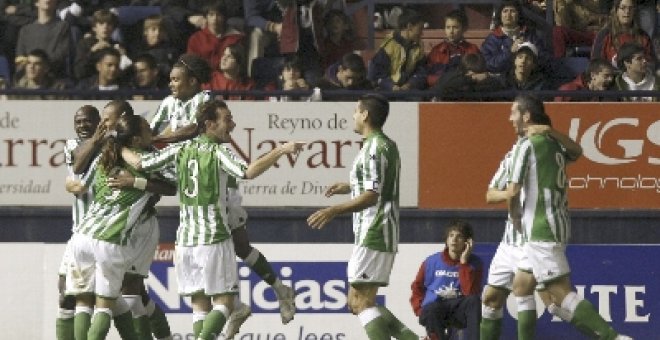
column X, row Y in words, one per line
column 192, row 187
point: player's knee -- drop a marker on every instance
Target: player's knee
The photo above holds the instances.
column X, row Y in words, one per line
column 494, row 297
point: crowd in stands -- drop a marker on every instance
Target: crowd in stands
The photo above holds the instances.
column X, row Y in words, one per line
column 121, row 48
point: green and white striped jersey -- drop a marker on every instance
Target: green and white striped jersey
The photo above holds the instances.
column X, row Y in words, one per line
column 177, row 113
column 204, row 169
column 82, row 201
column 377, row 168
column 539, row 165
column 499, row 181
column 114, row 213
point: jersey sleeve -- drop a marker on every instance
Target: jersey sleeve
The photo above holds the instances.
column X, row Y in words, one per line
column 161, row 159
column 69, row 146
column 501, row 176
column 161, row 117
column 230, row 162
column 375, row 164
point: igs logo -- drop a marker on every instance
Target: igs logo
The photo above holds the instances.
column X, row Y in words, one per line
column 320, row 287
column 618, row 141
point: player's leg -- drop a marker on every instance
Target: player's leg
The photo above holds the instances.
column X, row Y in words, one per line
column 131, row 292
column 158, row 323
column 240, row 313
column 492, row 311
column 108, row 310
column 523, row 288
column 80, row 281
column 82, row 319
column 260, row 265
column 67, row 307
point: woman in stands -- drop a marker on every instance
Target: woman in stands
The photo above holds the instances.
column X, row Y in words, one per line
column 622, row 28
column 232, row 72
column 509, row 33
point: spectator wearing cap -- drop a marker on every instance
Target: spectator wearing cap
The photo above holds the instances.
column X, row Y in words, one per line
column 525, row 74
column 509, row 33
column 599, row 76
column 399, row 63
column 637, row 75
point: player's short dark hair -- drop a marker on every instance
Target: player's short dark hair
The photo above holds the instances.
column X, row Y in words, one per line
column 122, row 106
column 208, row 111
column 533, row 105
column 194, row 66
column 90, row 111
column 461, row 226
column 378, row 107
column 626, row 53
column 409, row 17
column 459, row 16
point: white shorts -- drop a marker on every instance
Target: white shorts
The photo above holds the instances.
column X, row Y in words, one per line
column 547, row 260
column 370, row 266
column 210, row 269
column 142, row 246
column 97, row 267
column 66, row 257
column 504, row 266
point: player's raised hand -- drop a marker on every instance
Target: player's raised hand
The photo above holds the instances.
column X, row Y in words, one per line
column 338, row 189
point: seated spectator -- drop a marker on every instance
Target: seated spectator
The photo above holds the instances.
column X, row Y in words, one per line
column 209, row 43
column 637, row 75
column 388, row 69
column 14, row 14
column 579, row 15
column 108, row 75
column 509, row 33
column 447, row 54
column 525, row 74
column 291, row 78
column 231, row 73
column 445, row 292
column 37, row 75
column 470, row 77
column 157, row 42
column 347, row 74
column 621, row 29
column 104, row 23
column 147, row 76
column 338, row 39
column 49, row 34
column 599, row 76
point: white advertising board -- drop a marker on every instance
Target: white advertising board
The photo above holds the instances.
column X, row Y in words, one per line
column 32, row 135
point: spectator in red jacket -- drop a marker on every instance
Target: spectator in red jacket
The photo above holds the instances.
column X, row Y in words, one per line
column 447, row 54
column 599, row 76
column 231, row 73
column 209, row 43
column 446, row 291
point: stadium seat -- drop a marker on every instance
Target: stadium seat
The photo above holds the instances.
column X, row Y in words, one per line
column 5, row 72
column 266, row 70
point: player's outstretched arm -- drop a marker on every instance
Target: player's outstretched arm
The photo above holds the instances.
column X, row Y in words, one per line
column 125, row 179
column 131, row 157
column 320, row 218
column 184, row 133
column 262, row 164
column 494, row 196
column 338, row 189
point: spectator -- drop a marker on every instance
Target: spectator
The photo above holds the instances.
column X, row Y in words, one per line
column 509, row 33
column 209, row 43
column 231, row 73
column 445, row 292
column 14, row 14
column 447, row 54
column 347, row 74
column 469, row 78
column 49, row 34
column 108, row 74
column 599, row 76
column 286, row 27
column 525, row 74
column 157, row 41
column 637, row 75
column 338, row 39
column 399, row 62
column 290, row 79
column 147, row 76
column 104, row 23
column 37, row 75
column 621, row 29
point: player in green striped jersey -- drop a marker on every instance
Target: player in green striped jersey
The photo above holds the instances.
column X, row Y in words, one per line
column 175, row 117
column 102, row 253
column 374, row 189
column 85, row 121
column 538, row 171
column 205, row 259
